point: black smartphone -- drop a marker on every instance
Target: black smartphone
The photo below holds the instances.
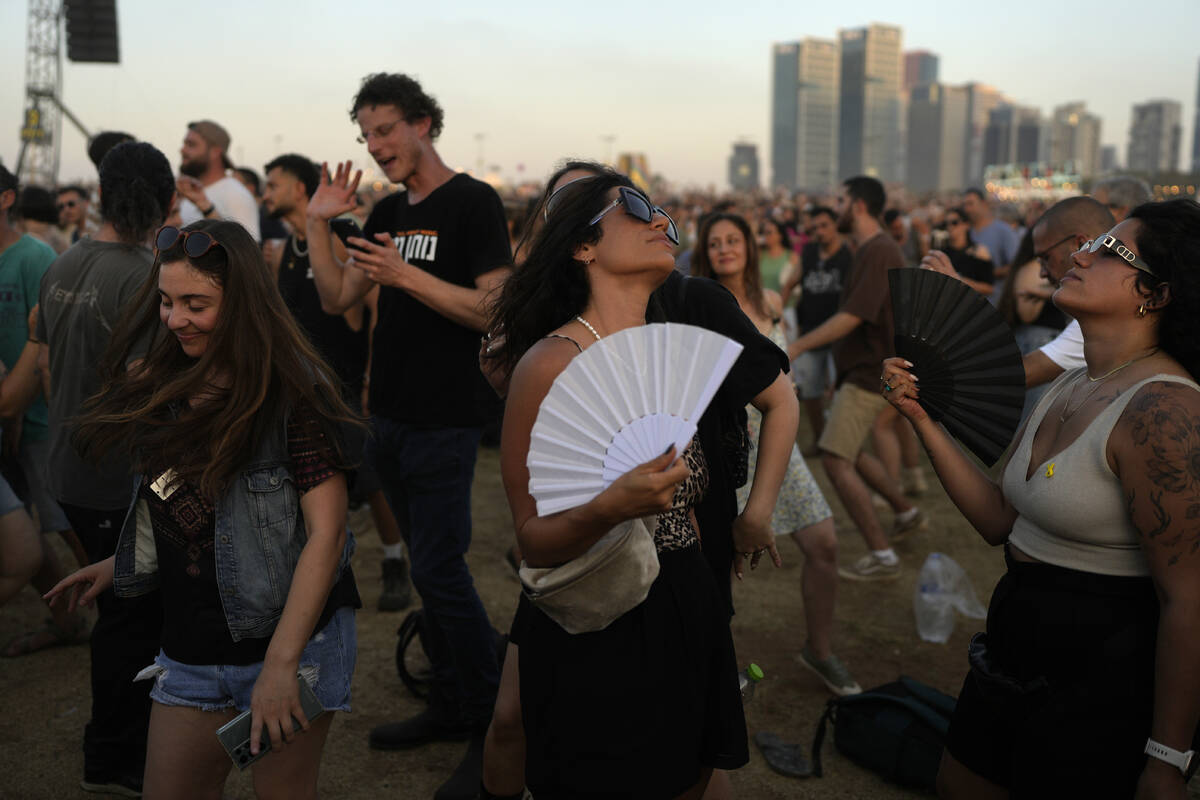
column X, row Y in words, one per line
column 344, row 228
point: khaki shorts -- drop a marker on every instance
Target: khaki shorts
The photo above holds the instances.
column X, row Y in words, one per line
column 850, row 418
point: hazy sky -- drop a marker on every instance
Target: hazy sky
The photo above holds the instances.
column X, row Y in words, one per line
column 541, row 81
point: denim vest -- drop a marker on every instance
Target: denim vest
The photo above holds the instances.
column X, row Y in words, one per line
column 259, row 533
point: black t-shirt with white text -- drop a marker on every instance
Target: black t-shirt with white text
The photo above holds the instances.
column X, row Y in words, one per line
column 821, row 282
column 425, row 368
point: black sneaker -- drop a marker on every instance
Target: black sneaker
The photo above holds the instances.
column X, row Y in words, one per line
column 397, row 585
column 468, row 775
column 416, row 731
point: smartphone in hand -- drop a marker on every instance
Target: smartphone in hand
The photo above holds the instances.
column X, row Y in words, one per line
column 344, row 228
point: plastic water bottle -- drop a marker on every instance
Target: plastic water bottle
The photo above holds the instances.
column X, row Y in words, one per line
column 942, row 587
column 748, row 679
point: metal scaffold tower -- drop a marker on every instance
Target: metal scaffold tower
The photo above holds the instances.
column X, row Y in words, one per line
column 42, row 127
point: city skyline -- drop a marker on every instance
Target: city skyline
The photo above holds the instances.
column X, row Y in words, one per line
column 541, row 83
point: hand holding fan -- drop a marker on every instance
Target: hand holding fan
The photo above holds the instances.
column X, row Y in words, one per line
column 619, row 404
column 972, row 376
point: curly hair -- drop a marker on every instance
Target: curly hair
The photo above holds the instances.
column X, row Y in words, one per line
column 751, row 276
column 136, row 187
column 1169, row 241
column 551, row 286
column 401, row 91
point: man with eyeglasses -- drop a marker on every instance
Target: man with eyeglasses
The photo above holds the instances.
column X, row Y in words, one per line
column 72, row 207
column 1056, row 235
column 436, row 250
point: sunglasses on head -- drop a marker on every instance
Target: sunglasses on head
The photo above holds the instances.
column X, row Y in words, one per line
column 1115, row 246
column 638, row 206
column 195, row 243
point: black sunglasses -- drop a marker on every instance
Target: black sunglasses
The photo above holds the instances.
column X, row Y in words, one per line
column 638, row 206
column 195, row 243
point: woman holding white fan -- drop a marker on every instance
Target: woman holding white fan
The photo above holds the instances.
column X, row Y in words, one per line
column 647, row 706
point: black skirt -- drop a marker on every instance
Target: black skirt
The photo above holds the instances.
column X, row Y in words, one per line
column 638, row 709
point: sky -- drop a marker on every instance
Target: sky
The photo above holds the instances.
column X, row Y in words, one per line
column 526, row 84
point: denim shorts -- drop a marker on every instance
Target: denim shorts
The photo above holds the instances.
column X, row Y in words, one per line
column 812, row 372
column 327, row 663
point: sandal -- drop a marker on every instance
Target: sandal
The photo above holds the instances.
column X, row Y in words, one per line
column 45, row 637
column 784, row 758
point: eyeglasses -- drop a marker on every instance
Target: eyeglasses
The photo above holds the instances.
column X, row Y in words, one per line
column 1114, row 245
column 380, row 132
column 67, row 204
column 953, row 222
column 1043, row 256
column 195, row 243
column 638, row 206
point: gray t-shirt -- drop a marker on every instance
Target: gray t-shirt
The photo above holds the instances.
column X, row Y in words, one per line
column 82, row 296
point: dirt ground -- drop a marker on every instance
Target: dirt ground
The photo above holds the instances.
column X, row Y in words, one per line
column 46, row 696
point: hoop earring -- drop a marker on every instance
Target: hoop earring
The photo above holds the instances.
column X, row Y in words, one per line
column 1141, row 312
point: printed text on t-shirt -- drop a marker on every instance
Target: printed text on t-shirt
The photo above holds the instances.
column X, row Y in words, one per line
column 416, row 245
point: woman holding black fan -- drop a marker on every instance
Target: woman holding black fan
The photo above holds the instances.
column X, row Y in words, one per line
column 1084, row 684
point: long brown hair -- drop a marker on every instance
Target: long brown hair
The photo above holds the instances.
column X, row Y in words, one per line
column 264, row 364
column 751, row 276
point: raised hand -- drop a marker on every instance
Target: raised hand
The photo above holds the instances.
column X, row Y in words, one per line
column 899, row 387
column 646, row 489
column 334, row 196
column 191, row 189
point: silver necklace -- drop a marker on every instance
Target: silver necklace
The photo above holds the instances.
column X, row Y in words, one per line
column 587, row 325
column 296, row 248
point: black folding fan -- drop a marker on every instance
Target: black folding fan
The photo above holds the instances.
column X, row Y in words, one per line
column 964, row 354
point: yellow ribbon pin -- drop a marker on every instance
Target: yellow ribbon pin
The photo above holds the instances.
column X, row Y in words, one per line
column 1050, row 470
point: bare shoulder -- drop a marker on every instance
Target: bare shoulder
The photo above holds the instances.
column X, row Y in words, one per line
column 540, row 365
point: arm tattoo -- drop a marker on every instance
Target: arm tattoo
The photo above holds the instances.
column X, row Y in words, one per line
column 1165, row 431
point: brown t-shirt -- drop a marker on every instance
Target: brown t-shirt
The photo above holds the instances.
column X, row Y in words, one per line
column 859, row 356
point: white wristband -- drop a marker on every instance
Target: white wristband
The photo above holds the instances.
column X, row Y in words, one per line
column 1180, row 760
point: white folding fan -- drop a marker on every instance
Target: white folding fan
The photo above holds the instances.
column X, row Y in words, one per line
column 620, row 403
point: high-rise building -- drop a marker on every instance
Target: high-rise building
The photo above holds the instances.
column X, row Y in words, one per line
column 1155, row 130
column 869, row 139
column 1196, row 129
column 937, row 117
column 920, row 67
column 1108, row 159
column 981, row 99
column 743, row 167
column 1013, row 136
column 1075, row 139
column 804, row 114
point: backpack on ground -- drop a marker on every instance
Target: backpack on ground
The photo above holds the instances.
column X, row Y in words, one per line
column 896, row 730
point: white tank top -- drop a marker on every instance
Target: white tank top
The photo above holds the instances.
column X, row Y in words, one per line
column 1072, row 510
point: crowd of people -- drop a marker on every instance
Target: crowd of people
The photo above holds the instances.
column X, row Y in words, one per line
column 207, row 369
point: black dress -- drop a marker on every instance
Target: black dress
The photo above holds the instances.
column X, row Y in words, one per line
column 638, row 709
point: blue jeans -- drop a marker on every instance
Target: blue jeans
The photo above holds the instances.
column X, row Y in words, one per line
column 426, row 475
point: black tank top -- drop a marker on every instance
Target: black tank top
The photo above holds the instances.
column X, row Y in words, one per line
column 344, row 348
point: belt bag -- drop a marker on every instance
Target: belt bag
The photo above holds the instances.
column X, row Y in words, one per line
column 588, row 593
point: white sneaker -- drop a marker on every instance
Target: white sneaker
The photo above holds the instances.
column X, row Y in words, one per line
column 870, row 568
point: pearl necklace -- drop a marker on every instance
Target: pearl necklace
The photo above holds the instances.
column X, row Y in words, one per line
column 587, row 325
column 296, row 248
